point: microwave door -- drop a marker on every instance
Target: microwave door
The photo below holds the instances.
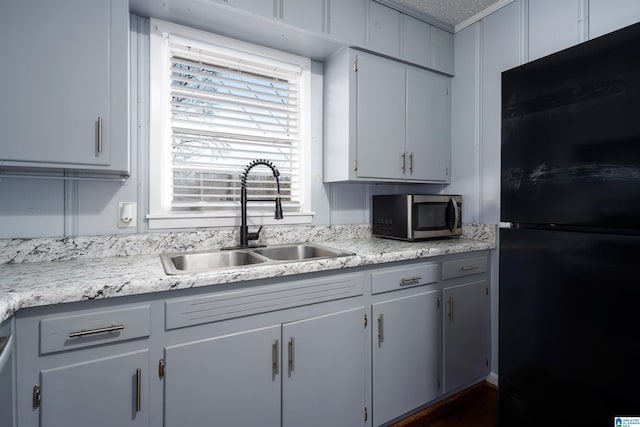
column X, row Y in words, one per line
column 435, row 218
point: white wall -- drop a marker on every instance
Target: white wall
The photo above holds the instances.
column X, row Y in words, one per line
column 519, row 32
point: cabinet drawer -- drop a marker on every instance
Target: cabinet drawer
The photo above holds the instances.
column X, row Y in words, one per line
column 391, row 279
column 464, row 267
column 261, row 299
column 86, row 330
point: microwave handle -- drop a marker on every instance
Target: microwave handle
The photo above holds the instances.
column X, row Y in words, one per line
column 456, row 215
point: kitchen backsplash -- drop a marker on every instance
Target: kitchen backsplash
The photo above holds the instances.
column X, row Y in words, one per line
column 17, row 251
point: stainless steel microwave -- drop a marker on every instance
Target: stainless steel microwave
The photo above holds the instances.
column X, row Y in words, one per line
column 417, row 216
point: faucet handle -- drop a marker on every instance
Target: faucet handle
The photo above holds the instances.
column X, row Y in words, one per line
column 254, row 235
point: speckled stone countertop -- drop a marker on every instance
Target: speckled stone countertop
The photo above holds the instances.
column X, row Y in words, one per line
column 35, row 272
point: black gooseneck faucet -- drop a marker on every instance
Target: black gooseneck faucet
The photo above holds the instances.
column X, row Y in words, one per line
column 245, row 236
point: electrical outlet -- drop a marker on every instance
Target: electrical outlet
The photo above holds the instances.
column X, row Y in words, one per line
column 127, row 214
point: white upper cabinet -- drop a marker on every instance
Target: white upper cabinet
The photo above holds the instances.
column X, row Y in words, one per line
column 385, row 120
column 401, row 36
column 380, row 117
column 306, row 14
column 441, row 50
column 314, row 28
column 347, row 21
column 603, row 18
column 428, row 126
column 416, row 40
column 383, row 30
column 65, row 85
column 426, row 45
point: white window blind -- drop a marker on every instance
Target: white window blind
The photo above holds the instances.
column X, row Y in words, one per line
column 228, row 108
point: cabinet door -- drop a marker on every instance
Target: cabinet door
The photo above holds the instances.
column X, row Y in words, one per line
column 97, row 393
column 232, row 380
column 405, row 354
column 380, row 117
column 441, row 50
column 466, row 334
column 384, row 30
column 428, row 126
column 61, row 109
column 324, row 377
column 307, row 14
column 347, row 21
column 416, row 41
column 7, row 360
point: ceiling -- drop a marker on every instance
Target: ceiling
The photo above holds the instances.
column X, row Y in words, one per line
column 450, row 14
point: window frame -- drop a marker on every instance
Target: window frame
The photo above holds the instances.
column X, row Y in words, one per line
column 160, row 215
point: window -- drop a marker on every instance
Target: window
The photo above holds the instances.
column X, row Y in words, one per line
column 216, row 105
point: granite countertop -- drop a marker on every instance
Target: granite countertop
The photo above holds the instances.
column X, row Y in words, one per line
column 54, row 271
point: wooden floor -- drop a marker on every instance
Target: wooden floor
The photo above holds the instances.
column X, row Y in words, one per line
column 476, row 406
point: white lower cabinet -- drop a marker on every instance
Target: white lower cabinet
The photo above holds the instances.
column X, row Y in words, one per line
column 106, row 392
column 330, row 354
column 405, row 354
column 466, row 322
column 229, row 380
column 466, row 329
column 303, row 373
column 86, row 367
column 324, row 377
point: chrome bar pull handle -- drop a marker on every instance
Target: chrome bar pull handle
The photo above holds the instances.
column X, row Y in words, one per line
column 84, row 332
column 276, row 357
column 292, row 354
column 411, row 163
column 406, row 280
column 456, row 214
column 469, row 267
column 4, row 340
column 99, row 134
column 138, row 390
column 380, row 329
column 450, row 302
column 6, row 349
column 404, row 163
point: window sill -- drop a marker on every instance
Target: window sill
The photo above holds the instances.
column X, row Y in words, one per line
column 195, row 220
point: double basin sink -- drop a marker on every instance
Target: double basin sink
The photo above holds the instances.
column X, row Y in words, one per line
column 209, row 261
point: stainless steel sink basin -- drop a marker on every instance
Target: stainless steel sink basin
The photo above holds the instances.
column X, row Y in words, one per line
column 208, row 261
column 298, row 252
column 201, row 261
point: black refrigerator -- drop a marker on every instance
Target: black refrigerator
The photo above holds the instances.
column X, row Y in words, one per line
column 569, row 242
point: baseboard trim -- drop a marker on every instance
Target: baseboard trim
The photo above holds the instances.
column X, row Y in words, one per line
column 442, row 402
column 492, row 379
